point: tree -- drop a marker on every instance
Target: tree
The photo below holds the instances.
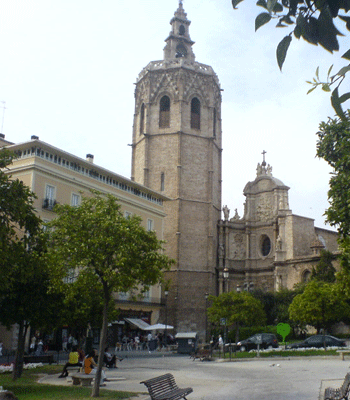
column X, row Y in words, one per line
column 324, row 270
column 25, row 296
column 83, row 308
column 116, row 253
column 237, row 309
column 333, row 146
column 314, row 22
column 320, row 305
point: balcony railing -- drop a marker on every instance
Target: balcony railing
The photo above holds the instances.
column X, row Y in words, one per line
column 49, row 204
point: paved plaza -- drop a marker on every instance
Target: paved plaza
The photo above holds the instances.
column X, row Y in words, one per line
column 270, row 379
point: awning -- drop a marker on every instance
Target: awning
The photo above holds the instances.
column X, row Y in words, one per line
column 186, row 335
column 139, row 323
column 158, row 327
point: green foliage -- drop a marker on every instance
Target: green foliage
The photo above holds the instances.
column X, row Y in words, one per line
column 26, row 297
column 237, row 308
column 314, row 22
column 324, row 270
column 268, row 300
column 276, row 304
column 333, row 146
column 320, row 305
column 247, row 331
column 108, row 252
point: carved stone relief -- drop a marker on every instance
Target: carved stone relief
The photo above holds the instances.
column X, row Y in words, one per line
column 141, row 93
column 264, row 209
column 237, row 246
column 196, row 83
column 167, row 80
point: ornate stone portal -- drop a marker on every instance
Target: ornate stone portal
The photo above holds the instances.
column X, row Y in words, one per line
column 269, row 248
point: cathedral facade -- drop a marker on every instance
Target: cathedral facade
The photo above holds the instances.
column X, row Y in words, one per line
column 177, row 146
column 269, row 248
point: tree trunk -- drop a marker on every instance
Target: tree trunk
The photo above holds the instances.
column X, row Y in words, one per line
column 103, row 340
column 18, row 366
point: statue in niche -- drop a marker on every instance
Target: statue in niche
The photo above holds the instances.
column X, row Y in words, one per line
column 226, row 211
column 279, row 243
column 221, row 250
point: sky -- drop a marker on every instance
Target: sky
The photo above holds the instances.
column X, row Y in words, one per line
column 68, row 69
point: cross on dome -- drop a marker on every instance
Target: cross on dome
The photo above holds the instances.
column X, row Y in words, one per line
column 263, row 168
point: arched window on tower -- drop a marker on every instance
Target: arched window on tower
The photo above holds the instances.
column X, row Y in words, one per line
column 164, row 112
column 142, row 119
column 214, row 122
column 182, row 30
column 195, row 113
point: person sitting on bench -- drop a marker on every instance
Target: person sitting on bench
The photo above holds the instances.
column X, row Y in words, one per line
column 110, row 360
column 90, row 366
column 73, row 361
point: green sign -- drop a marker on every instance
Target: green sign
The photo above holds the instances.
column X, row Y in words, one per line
column 283, row 330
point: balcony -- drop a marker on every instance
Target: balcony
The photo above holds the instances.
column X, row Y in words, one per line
column 49, row 204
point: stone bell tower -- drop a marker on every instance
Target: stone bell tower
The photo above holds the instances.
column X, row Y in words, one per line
column 177, row 151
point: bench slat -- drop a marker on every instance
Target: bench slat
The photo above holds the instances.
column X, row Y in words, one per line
column 338, row 393
column 164, row 387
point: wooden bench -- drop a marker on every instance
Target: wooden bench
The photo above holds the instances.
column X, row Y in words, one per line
column 164, row 387
column 343, row 352
column 339, row 393
column 82, row 379
column 202, row 354
column 45, row 358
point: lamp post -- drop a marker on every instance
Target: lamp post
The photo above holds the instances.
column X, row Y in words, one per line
column 206, row 317
column 166, row 317
column 225, row 274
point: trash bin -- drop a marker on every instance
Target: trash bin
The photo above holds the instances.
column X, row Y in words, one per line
column 186, row 342
column 152, row 345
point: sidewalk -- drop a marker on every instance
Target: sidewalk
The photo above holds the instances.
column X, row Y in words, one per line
column 263, row 379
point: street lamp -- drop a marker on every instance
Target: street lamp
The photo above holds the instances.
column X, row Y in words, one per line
column 225, row 274
column 166, row 317
column 206, row 317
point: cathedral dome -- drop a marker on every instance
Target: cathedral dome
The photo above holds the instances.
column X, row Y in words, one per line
column 264, row 181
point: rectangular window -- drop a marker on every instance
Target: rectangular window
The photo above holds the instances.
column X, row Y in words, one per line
column 50, row 197
column 150, row 224
column 71, row 276
column 75, row 200
column 45, row 227
column 50, row 192
column 147, row 296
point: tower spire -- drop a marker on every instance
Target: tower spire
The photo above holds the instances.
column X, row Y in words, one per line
column 179, row 43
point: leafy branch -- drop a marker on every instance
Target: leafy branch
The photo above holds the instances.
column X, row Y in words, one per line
column 332, row 80
column 312, row 21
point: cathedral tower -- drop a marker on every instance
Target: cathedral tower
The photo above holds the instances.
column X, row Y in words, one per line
column 177, row 151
